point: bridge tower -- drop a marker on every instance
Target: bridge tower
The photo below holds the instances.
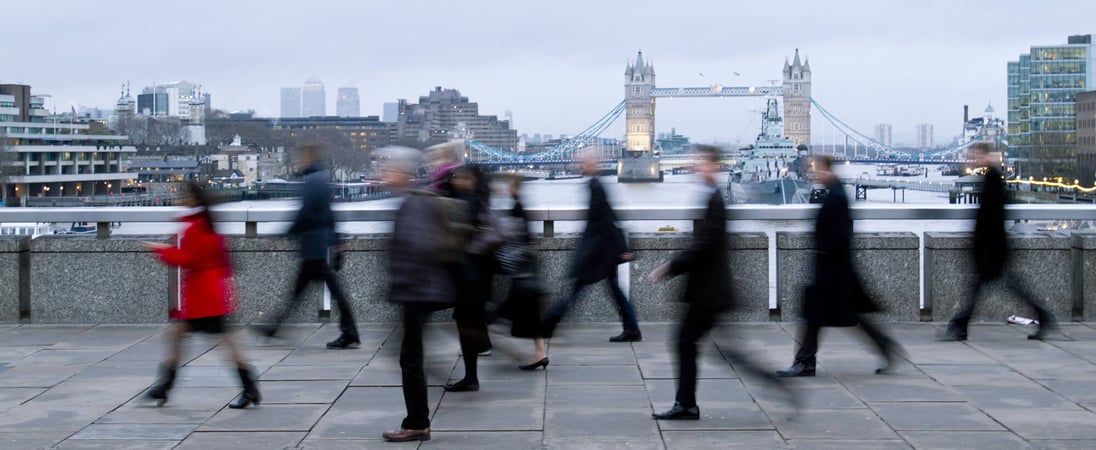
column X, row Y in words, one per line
column 797, row 100
column 639, row 79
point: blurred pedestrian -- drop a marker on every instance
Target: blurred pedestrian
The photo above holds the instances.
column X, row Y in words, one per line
column 991, row 253
column 708, row 293
column 600, row 250
column 517, row 260
column 476, row 272
column 836, row 298
column 422, row 255
column 207, row 296
column 314, row 227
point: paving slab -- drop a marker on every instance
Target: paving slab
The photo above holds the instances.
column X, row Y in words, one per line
column 81, row 387
column 718, row 440
column 134, row 431
column 365, row 413
column 129, row 444
column 964, row 440
column 266, row 418
column 298, row 392
column 232, row 440
column 857, row 424
column 1048, row 424
column 517, row 440
column 934, row 416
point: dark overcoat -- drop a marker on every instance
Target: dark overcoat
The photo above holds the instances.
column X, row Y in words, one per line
column 990, row 245
column 706, row 261
column 837, row 296
column 602, row 243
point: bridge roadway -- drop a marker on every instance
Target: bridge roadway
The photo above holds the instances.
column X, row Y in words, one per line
column 80, row 386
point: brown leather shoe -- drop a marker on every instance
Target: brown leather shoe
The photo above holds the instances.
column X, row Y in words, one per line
column 402, row 435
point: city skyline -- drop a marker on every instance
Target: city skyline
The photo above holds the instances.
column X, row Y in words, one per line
column 868, row 67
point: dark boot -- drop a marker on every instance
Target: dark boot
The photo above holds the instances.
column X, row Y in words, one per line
column 798, row 369
column 251, row 390
column 159, row 390
column 1047, row 324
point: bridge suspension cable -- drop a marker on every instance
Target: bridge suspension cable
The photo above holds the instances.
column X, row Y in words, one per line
column 568, row 145
column 863, row 139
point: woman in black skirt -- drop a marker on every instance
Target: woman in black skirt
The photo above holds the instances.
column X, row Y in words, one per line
column 517, row 259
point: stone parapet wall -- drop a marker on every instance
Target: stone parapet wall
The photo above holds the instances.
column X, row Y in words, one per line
column 81, row 279
column 1041, row 262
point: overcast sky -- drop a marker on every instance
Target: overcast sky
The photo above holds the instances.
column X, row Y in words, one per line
column 557, row 65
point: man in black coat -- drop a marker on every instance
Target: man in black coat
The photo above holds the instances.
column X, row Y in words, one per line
column 836, row 298
column 708, row 291
column 601, row 249
column 314, row 227
column 991, row 251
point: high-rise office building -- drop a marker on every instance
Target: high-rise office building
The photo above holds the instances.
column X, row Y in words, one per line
column 444, row 114
column 347, row 103
column 391, row 113
column 313, row 99
column 924, row 136
column 180, row 99
column 1042, row 118
column 883, row 134
column 291, row 102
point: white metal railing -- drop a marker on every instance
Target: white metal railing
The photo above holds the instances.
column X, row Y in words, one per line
column 253, row 215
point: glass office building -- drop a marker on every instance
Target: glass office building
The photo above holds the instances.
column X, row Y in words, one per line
column 1042, row 119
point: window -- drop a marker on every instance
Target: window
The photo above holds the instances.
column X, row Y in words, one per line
column 795, row 88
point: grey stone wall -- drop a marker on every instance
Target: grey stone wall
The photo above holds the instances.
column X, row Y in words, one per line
column 949, row 273
column 749, row 258
column 88, row 280
column 265, row 270
column 888, row 265
column 14, row 292
column 1084, row 276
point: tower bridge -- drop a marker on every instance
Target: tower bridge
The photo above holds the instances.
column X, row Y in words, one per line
column 636, row 159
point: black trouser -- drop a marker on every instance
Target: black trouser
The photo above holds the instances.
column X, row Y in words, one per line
column 412, row 367
column 808, row 342
column 624, row 307
column 470, row 312
column 958, row 323
column 694, row 326
column 319, row 271
column 697, row 322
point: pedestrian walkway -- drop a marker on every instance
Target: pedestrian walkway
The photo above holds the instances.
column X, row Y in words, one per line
column 77, row 387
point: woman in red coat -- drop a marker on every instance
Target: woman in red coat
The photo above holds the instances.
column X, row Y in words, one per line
column 207, row 295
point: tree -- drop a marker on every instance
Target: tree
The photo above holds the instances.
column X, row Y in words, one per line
column 346, row 159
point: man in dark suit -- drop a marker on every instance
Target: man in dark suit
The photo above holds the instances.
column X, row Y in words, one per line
column 836, row 298
column 314, row 227
column 991, row 250
column 601, row 249
column 708, row 291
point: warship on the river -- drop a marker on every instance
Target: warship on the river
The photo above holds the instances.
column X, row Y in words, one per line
column 773, row 170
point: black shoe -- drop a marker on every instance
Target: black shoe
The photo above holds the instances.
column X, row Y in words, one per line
column 344, row 342
column 797, row 370
column 251, row 394
column 159, row 391
column 627, row 336
column 462, row 386
column 534, row 366
column 678, row 412
column 951, row 335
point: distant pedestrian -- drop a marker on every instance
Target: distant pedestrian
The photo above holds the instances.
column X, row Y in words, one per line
column 836, row 298
column 207, row 296
column 422, row 255
column 314, row 227
column 991, row 252
column 600, row 250
column 708, row 292
column 517, row 260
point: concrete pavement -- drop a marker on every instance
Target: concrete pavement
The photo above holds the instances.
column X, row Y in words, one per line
column 79, row 387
